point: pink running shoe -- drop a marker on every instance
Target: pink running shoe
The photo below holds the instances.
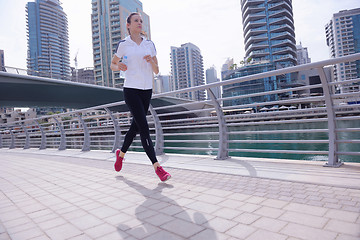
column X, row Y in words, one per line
column 162, row 174
column 119, row 160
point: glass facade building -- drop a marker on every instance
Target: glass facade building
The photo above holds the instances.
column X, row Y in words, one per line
column 48, row 42
column 269, row 39
column 108, row 22
column 269, row 31
column 343, row 38
column 187, row 70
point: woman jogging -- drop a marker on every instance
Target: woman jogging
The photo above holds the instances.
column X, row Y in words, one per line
column 136, row 56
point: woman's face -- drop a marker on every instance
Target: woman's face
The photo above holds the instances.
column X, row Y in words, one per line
column 135, row 25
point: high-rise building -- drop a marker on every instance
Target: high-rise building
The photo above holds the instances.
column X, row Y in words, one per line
column 302, row 54
column 108, row 22
column 48, row 42
column 343, row 38
column 161, row 83
column 211, row 77
column 83, row 75
column 269, row 38
column 187, row 70
column 2, row 61
column 269, row 33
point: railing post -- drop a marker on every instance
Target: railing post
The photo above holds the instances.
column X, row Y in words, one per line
column 62, row 135
column 12, row 143
column 159, row 141
column 117, row 131
column 27, row 139
column 223, row 152
column 43, row 136
column 0, row 140
column 333, row 160
column 86, row 145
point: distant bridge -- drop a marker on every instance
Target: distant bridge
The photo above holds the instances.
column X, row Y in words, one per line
column 17, row 90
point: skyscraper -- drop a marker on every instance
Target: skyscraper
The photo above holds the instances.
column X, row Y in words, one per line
column 48, row 41
column 211, row 77
column 269, row 31
column 187, row 70
column 302, row 55
column 108, row 21
column 343, row 38
column 269, row 38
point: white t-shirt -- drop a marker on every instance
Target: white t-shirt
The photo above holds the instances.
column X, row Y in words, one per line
column 139, row 73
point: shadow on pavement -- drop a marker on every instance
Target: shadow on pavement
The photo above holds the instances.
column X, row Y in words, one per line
column 168, row 231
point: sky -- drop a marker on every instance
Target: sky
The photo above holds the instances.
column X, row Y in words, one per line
column 212, row 25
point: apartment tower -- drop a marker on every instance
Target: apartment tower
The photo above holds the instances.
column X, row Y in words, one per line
column 108, row 22
column 269, row 38
column 48, row 42
column 211, row 77
column 269, row 33
column 187, row 70
column 343, row 38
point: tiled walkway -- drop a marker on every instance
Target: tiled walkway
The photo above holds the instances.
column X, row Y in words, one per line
column 51, row 194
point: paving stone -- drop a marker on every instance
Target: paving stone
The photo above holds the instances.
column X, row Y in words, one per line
column 240, row 231
column 182, row 228
column 220, row 224
column 163, row 235
column 343, row 227
column 86, row 222
column 305, row 219
column 342, row 215
column 209, row 234
column 143, row 231
column 269, row 212
column 303, row 208
column 63, row 232
column 308, row 233
column 26, row 234
column 263, row 234
column 227, row 213
column 100, row 230
column 51, row 223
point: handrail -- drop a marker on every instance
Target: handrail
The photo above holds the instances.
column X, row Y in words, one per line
column 215, row 128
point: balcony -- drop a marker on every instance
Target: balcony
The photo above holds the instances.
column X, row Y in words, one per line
column 280, row 5
column 257, row 38
column 278, row 58
column 283, row 50
column 260, row 15
column 281, row 20
column 259, row 53
column 278, row 43
column 281, row 35
column 255, row 24
column 253, row 9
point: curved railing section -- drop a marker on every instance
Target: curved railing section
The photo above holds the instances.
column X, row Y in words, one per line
column 314, row 122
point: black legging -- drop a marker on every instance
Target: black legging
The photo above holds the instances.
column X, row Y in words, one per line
column 138, row 102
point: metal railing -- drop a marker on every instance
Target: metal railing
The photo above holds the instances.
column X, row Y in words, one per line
column 327, row 123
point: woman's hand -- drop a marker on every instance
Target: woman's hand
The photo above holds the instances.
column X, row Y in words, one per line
column 116, row 65
column 154, row 63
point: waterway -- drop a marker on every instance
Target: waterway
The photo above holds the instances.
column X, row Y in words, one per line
column 342, row 147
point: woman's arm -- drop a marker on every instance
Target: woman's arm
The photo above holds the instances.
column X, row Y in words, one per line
column 116, row 65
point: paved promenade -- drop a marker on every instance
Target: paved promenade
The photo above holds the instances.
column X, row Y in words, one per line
column 50, row 194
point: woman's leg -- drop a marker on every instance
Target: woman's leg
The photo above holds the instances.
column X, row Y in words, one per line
column 129, row 137
column 138, row 102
